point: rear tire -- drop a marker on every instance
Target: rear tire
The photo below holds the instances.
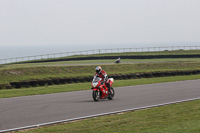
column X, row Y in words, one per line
column 96, row 95
column 112, row 93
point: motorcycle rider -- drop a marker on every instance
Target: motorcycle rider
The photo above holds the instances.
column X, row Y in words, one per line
column 102, row 74
column 118, row 60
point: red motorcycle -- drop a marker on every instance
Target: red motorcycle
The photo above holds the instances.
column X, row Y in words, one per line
column 100, row 90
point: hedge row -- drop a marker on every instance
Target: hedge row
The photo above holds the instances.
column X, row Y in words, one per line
column 122, row 57
column 57, row 81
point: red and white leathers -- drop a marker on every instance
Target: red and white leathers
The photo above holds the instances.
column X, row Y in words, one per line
column 102, row 75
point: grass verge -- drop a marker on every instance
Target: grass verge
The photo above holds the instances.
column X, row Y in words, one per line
column 179, row 118
column 47, row 72
column 86, row 86
column 110, row 61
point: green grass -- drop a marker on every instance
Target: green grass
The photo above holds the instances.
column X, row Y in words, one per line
column 174, row 118
column 31, row 71
column 110, row 61
column 47, row 72
column 86, row 86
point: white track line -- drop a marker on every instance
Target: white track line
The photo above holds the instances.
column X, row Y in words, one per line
column 90, row 116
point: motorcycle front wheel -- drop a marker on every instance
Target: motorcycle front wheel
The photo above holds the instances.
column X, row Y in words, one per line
column 96, row 95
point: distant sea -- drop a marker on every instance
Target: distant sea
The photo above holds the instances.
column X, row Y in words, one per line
column 21, row 51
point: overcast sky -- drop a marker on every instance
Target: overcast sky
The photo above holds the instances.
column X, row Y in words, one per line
column 79, row 24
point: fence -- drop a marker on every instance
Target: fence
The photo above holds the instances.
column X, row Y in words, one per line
column 97, row 51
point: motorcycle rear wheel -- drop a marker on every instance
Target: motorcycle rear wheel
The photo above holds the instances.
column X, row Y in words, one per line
column 112, row 94
column 96, row 95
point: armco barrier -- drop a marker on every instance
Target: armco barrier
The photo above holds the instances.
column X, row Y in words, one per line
column 57, row 81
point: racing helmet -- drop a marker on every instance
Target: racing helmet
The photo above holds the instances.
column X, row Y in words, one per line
column 98, row 69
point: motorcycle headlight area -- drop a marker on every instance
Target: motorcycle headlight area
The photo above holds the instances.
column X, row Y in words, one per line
column 95, row 84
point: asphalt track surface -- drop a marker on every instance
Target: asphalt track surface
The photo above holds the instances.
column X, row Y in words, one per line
column 31, row 110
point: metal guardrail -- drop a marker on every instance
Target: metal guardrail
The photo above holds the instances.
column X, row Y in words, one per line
column 97, row 51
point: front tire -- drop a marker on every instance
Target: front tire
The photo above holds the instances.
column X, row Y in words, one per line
column 112, row 93
column 96, row 95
